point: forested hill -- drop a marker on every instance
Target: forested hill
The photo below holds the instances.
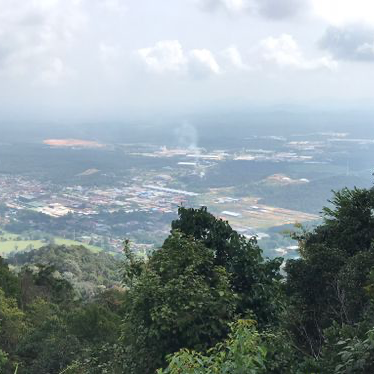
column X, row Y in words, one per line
column 85, row 270
column 205, row 302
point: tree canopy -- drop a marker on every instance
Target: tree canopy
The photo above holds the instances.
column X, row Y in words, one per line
column 205, row 302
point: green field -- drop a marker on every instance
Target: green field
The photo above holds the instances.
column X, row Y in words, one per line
column 11, row 243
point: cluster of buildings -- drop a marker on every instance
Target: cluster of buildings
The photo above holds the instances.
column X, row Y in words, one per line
column 191, row 153
column 141, row 194
column 20, row 193
column 196, row 156
column 265, row 155
column 86, row 204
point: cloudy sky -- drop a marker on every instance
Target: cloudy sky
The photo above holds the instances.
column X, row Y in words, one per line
column 97, row 59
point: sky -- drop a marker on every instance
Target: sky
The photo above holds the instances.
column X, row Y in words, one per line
column 112, row 59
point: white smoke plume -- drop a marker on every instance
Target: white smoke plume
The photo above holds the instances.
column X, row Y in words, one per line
column 187, row 136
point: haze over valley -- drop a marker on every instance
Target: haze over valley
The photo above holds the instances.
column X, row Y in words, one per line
column 99, row 187
column 186, row 187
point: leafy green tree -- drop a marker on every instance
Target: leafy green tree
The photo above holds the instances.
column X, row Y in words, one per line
column 356, row 355
column 44, row 327
column 253, row 279
column 48, row 347
column 245, row 351
column 86, row 271
column 349, row 223
column 12, row 328
column 52, row 285
column 44, row 282
column 180, row 299
column 57, row 337
column 104, row 360
column 347, row 349
column 242, row 352
column 9, row 282
column 94, row 324
column 327, row 284
column 3, row 361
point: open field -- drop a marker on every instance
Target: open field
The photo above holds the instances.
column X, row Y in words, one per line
column 72, row 143
column 9, row 243
column 248, row 212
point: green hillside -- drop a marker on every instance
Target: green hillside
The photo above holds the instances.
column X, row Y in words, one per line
column 205, row 302
column 85, row 270
column 14, row 243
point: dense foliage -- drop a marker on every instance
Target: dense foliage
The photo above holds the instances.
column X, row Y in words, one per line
column 85, row 270
column 252, row 279
column 205, row 302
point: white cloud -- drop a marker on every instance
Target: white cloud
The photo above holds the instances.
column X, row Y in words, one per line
column 286, row 53
column 169, row 56
column 234, row 58
column 202, row 63
column 117, row 6
column 229, row 5
column 353, row 42
column 109, row 52
column 34, row 36
column 282, row 52
column 342, row 12
column 54, row 72
column 272, row 9
column 366, row 49
column 234, row 5
column 279, row 9
column 334, row 12
column 166, row 55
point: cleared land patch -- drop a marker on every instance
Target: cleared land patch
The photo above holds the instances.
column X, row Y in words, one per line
column 88, row 172
column 72, row 143
column 248, row 212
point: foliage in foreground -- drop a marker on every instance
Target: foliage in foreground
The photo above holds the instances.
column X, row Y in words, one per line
column 44, row 327
column 85, row 270
column 242, row 352
column 204, row 277
column 206, row 302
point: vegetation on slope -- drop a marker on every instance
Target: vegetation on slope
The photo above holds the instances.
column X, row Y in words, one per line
column 86, row 271
column 10, row 243
column 205, row 302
